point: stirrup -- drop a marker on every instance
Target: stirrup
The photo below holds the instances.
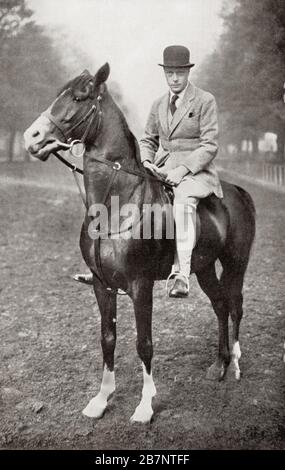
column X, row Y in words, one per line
column 176, row 273
column 171, row 275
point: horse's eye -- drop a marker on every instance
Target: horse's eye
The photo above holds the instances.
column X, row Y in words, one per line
column 75, row 98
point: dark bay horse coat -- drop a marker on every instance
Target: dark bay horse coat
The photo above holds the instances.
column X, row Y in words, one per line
column 190, row 140
column 227, row 226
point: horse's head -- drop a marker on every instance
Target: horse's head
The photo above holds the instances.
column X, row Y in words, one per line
column 73, row 115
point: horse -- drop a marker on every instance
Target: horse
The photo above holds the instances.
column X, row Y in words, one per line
column 84, row 113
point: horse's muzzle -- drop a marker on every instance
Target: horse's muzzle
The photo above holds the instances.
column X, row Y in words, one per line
column 43, row 150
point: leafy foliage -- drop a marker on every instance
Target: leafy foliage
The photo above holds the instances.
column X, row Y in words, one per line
column 31, row 70
column 247, row 70
column 13, row 14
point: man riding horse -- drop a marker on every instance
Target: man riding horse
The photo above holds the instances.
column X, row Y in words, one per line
column 179, row 145
column 85, row 113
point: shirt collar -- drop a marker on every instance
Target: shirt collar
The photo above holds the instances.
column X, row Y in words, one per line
column 180, row 95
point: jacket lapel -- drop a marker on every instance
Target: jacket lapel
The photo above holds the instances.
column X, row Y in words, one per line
column 163, row 113
column 183, row 108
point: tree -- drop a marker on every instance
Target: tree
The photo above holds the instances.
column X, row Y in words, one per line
column 30, row 69
column 13, row 14
column 247, row 70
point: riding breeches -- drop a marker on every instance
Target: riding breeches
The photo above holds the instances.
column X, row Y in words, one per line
column 186, row 199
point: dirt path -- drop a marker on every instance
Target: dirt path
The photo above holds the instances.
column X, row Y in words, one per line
column 50, row 335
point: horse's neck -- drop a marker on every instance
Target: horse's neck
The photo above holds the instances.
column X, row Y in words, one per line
column 117, row 144
column 115, row 138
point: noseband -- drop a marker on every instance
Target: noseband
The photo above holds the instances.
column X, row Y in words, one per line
column 92, row 113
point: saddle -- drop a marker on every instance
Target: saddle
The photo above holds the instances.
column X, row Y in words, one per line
column 211, row 211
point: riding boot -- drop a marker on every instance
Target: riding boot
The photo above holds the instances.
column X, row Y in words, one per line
column 185, row 219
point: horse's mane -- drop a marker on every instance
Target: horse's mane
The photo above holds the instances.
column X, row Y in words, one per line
column 137, row 151
column 81, row 81
column 132, row 140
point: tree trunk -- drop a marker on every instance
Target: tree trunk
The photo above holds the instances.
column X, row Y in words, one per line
column 11, row 143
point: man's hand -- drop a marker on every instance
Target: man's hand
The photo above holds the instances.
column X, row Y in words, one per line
column 155, row 170
column 175, row 176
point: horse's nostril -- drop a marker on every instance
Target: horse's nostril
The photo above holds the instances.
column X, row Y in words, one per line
column 35, row 134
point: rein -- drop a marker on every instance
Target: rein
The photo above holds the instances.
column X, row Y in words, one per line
column 116, row 166
column 67, row 163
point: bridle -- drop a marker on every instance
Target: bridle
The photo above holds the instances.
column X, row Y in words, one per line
column 91, row 114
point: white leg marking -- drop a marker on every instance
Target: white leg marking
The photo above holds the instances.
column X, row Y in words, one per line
column 98, row 404
column 144, row 411
column 236, row 350
column 236, row 355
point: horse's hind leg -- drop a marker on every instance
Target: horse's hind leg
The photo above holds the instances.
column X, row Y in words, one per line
column 210, row 284
column 108, row 305
column 142, row 299
column 232, row 280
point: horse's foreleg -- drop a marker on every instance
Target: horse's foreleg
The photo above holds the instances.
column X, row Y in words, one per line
column 142, row 299
column 107, row 305
column 213, row 289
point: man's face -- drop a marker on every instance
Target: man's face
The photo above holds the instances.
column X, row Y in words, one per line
column 177, row 78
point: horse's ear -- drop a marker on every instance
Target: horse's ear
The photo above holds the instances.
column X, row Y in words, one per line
column 102, row 74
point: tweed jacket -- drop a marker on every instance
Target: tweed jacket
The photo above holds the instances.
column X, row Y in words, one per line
column 190, row 139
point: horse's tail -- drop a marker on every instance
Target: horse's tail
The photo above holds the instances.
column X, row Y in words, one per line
column 247, row 199
column 248, row 202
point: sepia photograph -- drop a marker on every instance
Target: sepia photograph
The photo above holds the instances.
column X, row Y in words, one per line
column 142, row 201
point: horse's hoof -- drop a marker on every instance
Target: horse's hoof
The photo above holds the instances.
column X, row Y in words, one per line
column 142, row 415
column 216, row 372
column 95, row 408
column 93, row 414
column 233, row 372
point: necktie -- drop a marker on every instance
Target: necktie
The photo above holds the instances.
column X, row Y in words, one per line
column 172, row 104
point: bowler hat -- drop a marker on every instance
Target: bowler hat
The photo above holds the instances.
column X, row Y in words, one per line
column 176, row 56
